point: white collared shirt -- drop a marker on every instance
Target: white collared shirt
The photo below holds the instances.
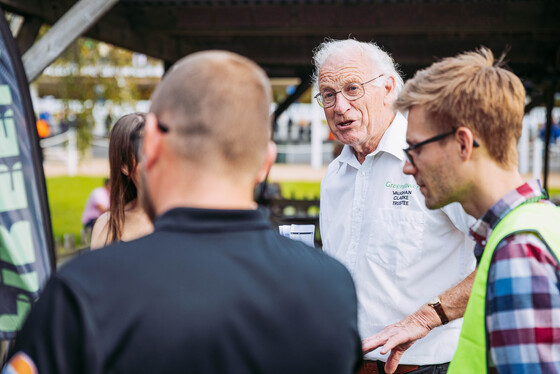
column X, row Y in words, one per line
column 374, row 220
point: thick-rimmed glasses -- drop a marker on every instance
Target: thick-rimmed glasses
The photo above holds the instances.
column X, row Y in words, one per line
column 162, row 127
column 408, row 150
column 352, row 91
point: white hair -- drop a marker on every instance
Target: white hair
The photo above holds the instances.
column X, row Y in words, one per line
column 381, row 59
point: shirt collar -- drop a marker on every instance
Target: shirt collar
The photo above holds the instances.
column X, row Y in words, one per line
column 392, row 142
column 211, row 220
column 482, row 229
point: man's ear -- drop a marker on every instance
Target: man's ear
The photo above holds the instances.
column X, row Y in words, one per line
column 268, row 162
column 151, row 145
column 389, row 90
column 465, row 137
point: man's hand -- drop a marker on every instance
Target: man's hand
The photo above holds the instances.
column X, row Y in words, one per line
column 400, row 336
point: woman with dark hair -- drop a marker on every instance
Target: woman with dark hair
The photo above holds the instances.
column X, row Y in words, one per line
column 125, row 220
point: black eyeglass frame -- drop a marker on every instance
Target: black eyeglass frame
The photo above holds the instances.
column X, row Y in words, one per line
column 162, row 127
column 431, row 140
column 319, row 97
column 137, row 138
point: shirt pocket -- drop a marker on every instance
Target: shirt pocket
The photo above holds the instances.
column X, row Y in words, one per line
column 396, row 239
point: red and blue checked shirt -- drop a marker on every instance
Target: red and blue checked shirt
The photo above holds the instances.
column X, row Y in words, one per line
column 523, row 293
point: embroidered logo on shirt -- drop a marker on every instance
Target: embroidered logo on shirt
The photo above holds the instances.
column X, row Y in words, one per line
column 401, row 192
column 20, row 363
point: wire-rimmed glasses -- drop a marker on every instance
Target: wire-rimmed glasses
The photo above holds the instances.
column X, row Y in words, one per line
column 352, row 91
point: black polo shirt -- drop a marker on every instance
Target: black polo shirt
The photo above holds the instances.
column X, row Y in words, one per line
column 210, row 291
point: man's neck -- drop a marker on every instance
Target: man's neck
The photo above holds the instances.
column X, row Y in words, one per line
column 489, row 187
column 204, row 191
column 362, row 150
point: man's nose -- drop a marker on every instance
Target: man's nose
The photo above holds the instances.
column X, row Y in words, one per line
column 341, row 104
column 408, row 168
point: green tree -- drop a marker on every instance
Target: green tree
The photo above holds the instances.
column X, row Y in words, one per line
column 85, row 64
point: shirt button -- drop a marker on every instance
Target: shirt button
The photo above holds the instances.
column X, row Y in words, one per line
column 484, row 242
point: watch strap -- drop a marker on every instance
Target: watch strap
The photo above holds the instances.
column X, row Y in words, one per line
column 439, row 310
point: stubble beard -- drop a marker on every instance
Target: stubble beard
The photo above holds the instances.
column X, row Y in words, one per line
column 147, row 202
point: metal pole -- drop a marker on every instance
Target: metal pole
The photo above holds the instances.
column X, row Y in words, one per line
column 549, row 98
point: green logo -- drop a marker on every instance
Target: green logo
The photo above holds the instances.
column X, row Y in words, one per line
column 389, row 184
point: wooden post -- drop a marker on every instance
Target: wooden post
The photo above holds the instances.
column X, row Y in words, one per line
column 83, row 15
column 28, row 33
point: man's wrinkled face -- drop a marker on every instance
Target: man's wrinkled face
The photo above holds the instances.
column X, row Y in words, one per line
column 352, row 122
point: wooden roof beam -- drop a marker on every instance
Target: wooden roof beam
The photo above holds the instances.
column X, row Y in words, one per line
column 72, row 25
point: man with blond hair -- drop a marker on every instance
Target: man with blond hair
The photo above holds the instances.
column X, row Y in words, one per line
column 214, row 289
column 465, row 118
column 412, row 266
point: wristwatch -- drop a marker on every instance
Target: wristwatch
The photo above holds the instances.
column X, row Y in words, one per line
column 436, row 304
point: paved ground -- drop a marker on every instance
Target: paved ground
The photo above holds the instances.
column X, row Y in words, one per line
column 279, row 172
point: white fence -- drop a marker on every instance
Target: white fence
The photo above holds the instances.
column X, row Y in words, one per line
column 64, row 147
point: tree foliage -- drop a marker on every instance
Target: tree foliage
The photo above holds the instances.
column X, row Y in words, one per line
column 91, row 76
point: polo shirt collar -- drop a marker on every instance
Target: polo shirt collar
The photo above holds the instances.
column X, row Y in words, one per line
column 393, row 142
column 211, row 220
column 481, row 230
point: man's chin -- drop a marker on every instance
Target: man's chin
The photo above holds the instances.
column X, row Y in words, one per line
column 429, row 201
column 434, row 204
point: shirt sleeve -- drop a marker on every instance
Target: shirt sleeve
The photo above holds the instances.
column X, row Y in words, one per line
column 55, row 336
column 523, row 307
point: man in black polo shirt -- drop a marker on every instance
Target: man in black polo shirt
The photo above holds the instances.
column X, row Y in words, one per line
column 214, row 289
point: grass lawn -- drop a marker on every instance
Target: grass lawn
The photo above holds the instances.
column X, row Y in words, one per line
column 67, row 199
column 300, row 190
column 68, row 195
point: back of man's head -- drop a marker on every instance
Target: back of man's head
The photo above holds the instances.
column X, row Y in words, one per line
column 472, row 90
column 217, row 107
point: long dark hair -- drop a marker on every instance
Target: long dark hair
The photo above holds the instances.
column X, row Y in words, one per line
column 123, row 156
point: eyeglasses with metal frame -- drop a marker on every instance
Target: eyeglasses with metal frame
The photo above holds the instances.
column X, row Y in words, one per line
column 352, row 91
column 431, row 140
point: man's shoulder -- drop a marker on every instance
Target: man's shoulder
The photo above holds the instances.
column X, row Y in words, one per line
column 524, row 245
column 104, row 261
column 333, row 167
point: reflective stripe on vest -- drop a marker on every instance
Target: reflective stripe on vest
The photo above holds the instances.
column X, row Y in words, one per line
column 540, row 219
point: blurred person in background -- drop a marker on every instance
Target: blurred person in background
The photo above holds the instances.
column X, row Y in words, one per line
column 43, row 126
column 125, row 219
column 97, row 203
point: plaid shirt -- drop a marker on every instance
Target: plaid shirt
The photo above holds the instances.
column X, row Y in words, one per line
column 523, row 293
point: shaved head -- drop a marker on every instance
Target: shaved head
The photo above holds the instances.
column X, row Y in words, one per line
column 217, row 107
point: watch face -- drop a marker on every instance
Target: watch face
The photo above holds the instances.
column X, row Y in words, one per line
column 433, row 301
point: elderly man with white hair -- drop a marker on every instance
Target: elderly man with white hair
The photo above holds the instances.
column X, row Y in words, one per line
column 413, row 267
